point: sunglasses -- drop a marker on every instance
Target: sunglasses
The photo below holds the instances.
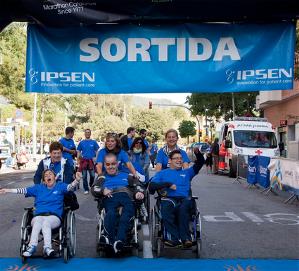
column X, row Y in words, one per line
column 110, row 164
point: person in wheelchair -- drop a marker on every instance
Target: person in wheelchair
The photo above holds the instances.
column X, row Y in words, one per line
column 174, row 187
column 116, row 189
column 48, row 209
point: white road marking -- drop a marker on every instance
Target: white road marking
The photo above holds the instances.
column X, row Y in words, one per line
column 83, row 218
column 253, row 217
column 227, row 217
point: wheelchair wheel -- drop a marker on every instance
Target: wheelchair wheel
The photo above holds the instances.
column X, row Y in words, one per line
column 25, row 236
column 160, row 246
column 71, row 235
column 153, row 230
column 198, row 248
column 66, row 255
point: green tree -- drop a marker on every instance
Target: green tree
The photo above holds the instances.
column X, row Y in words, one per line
column 187, row 128
column 220, row 104
column 12, row 70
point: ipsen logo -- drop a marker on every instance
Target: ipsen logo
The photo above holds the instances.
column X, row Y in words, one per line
column 263, row 74
column 74, row 77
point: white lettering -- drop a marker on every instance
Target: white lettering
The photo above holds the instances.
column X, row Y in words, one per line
column 207, row 51
column 120, row 49
column 93, row 52
column 226, row 47
column 163, row 44
column 227, row 217
column 141, row 50
column 181, row 49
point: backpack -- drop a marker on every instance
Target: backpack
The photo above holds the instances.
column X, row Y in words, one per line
column 70, row 200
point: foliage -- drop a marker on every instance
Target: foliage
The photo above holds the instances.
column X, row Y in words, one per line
column 156, row 121
column 220, row 104
column 187, row 128
column 12, row 70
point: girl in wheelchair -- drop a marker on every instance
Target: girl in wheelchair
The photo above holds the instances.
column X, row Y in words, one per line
column 48, row 209
column 174, row 187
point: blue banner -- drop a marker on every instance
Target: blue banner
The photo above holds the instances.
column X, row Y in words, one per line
column 263, row 171
column 130, row 264
column 252, row 169
column 160, row 58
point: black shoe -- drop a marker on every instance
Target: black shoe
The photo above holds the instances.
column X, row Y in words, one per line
column 173, row 243
column 187, row 244
column 118, row 246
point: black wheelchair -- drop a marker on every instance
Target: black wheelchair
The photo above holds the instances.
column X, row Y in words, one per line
column 132, row 243
column 63, row 237
column 159, row 234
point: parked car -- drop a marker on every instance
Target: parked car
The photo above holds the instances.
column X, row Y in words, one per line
column 203, row 147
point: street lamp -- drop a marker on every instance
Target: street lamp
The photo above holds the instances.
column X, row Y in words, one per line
column 206, row 126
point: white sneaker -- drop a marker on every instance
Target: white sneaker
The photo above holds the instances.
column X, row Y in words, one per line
column 49, row 251
column 86, row 192
column 29, row 251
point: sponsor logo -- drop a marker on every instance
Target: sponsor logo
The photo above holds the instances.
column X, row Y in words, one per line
column 260, row 76
column 33, row 76
column 251, row 169
column 75, row 77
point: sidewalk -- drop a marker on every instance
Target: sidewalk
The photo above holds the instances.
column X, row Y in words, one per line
column 30, row 166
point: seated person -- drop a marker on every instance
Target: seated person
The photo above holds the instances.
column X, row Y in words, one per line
column 48, row 209
column 174, row 185
column 10, row 162
column 114, row 187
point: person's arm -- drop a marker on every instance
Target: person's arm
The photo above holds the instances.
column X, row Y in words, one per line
column 159, row 161
column 39, row 172
column 68, row 173
column 131, row 168
column 73, row 184
column 158, row 183
column 199, row 162
column 99, row 167
column 13, row 190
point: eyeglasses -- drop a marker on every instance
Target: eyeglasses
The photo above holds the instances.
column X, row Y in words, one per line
column 176, row 158
column 110, row 164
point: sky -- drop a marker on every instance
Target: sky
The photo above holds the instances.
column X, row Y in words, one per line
column 178, row 98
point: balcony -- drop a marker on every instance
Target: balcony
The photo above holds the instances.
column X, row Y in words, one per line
column 268, row 98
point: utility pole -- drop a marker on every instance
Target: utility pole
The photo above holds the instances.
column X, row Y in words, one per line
column 34, row 128
column 233, row 104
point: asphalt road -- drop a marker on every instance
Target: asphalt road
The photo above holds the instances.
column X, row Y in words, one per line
column 237, row 222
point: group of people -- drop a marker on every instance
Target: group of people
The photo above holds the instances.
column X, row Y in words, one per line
column 122, row 161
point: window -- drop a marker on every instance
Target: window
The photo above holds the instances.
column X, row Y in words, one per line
column 255, row 139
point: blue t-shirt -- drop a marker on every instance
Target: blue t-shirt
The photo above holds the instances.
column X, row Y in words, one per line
column 162, row 158
column 69, row 144
column 154, row 149
column 116, row 181
column 146, row 143
column 56, row 167
column 130, row 142
column 46, row 199
column 181, row 178
column 122, row 158
column 88, row 148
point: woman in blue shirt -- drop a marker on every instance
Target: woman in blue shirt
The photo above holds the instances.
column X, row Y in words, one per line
column 171, row 138
column 139, row 157
column 112, row 145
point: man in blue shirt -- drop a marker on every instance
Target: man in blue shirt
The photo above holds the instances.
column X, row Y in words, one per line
column 69, row 148
column 114, row 186
column 153, row 152
column 63, row 170
column 174, row 186
column 143, row 134
column 127, row 140
column 87, row 150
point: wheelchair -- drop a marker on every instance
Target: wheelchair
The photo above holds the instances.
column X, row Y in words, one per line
column 159, row 234
column 132, row 243
column 63, row 237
